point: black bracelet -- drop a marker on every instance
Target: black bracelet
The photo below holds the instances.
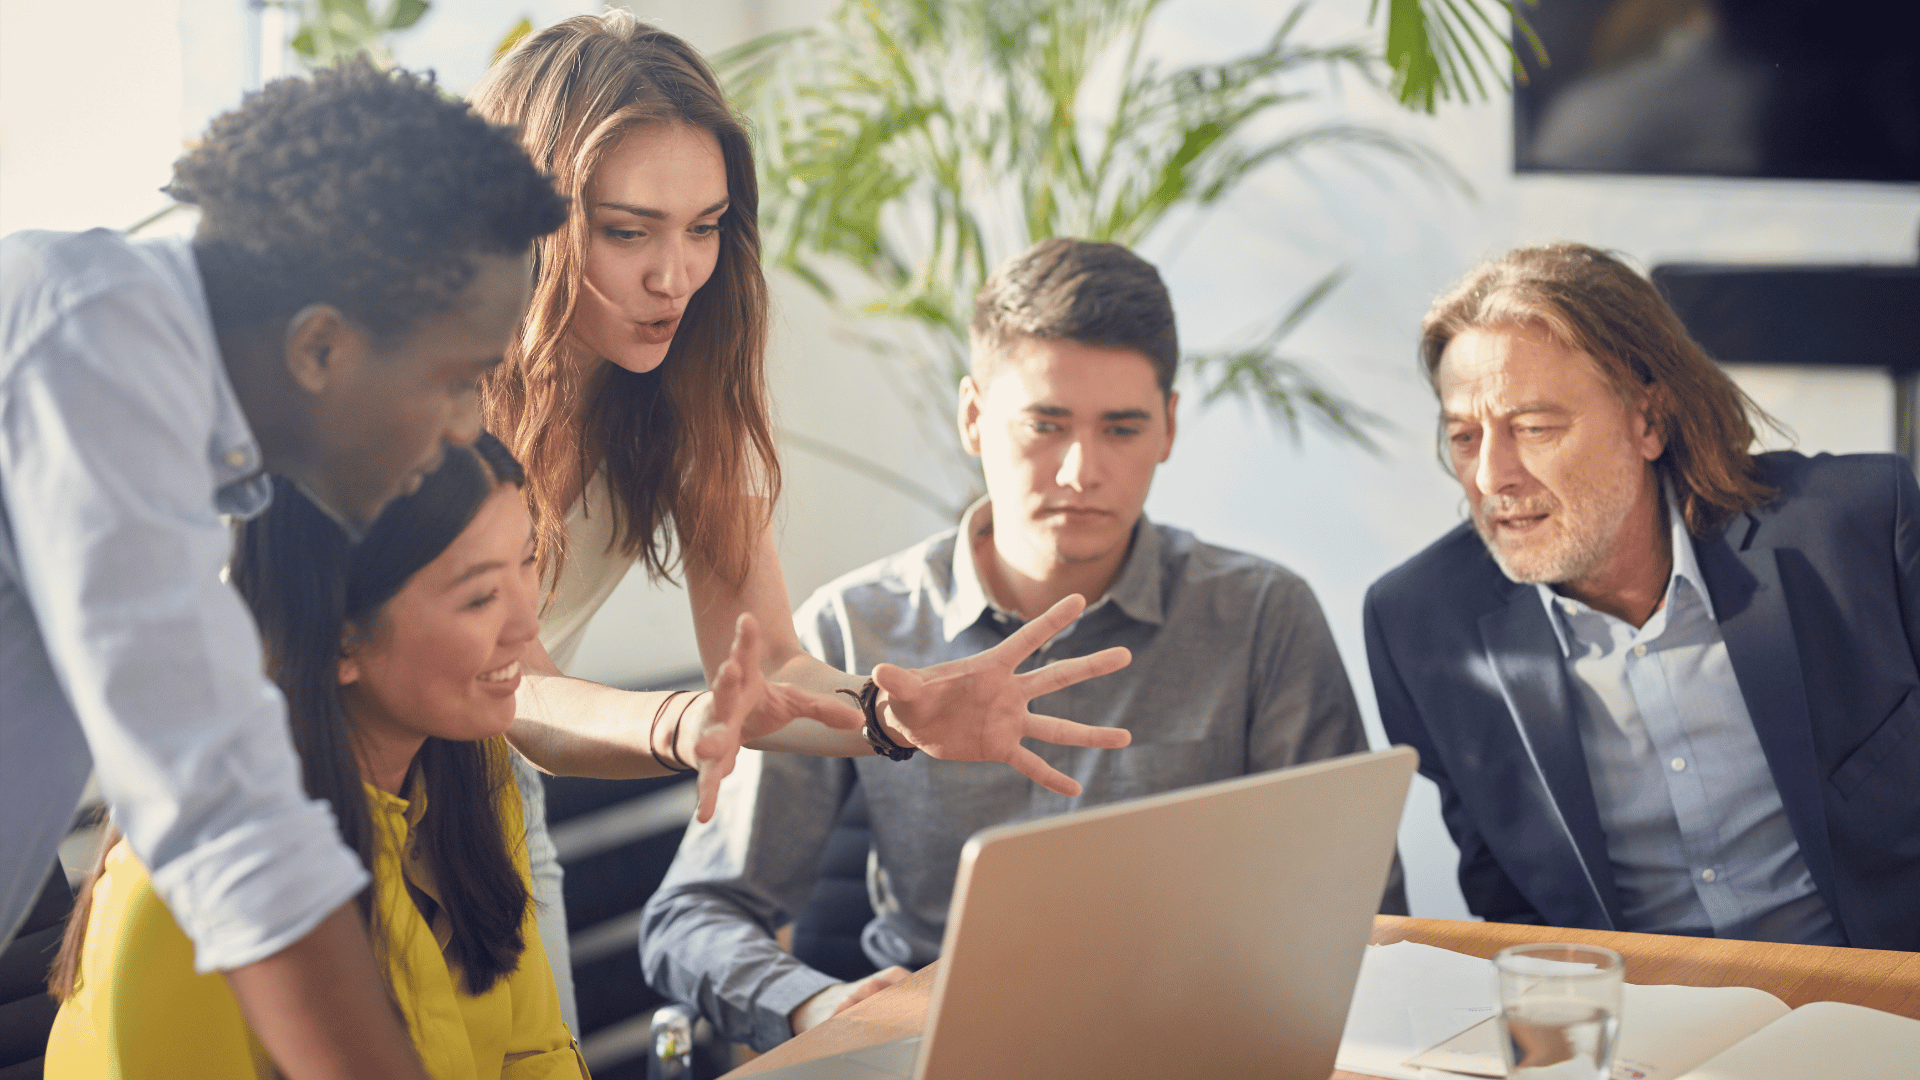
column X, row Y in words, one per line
column 654, row 728
column 868, row 698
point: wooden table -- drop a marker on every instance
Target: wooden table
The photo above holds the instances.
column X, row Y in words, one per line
column 1796, row 974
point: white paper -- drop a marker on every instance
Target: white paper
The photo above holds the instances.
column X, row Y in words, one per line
column 1664, row 1031
column 1409, row 997
column 1824, row 1039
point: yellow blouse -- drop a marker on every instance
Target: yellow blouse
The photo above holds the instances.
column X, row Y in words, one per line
column 141, row 1011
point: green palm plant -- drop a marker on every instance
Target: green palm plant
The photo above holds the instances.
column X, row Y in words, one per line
column 1432, row 47
column 907, row 146
column 334, row 30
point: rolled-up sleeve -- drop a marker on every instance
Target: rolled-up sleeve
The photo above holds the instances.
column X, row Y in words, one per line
column 104, row 464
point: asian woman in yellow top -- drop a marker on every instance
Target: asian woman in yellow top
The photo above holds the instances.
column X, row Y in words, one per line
column 399, row 658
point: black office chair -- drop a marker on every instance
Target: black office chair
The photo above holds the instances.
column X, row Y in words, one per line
column 26, row 1012
column 826, row 935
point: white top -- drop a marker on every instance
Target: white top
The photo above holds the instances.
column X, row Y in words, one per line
column 594, row 569
column 121, row 445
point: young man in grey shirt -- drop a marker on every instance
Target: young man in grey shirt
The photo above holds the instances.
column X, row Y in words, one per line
column 1070, row 407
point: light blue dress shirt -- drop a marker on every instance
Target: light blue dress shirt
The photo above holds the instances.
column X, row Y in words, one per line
column 1696, row 834
column 121, row 445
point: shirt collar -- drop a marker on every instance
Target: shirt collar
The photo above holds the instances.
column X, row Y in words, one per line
column 241, row 488
column 969, row 598
column 1136, row 589
column 409, row 808
column 1686, row 567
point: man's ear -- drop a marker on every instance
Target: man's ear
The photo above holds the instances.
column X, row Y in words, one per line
column 1173, row 407
column 1649, row 427
column 969, row 415
column 321, row 344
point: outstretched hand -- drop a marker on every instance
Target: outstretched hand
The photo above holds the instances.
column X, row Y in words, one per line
column 975, row 709
column 744, row 706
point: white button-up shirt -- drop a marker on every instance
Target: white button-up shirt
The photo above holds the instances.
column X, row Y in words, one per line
column 121, row 445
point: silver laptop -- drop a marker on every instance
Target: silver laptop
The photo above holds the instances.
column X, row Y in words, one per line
column 1216, row 929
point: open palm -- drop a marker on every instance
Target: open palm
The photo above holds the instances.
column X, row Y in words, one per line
column 975, row 709
column 744, row 706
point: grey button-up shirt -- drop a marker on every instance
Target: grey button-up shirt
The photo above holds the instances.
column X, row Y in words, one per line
column 1698, row 839
column 121, row 445
column 1234, row 672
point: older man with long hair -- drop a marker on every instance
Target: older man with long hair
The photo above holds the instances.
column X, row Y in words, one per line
column 1663, row 683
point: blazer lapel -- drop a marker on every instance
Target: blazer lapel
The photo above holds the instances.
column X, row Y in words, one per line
column 1526, row 657
column 1757, row 625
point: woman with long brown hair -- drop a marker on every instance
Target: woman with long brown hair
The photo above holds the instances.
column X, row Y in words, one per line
column 636, row 395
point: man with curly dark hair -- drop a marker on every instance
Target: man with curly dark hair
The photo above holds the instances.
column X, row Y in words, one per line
column 361, row 259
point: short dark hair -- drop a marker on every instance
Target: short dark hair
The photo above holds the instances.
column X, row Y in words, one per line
column 360, row 188
column 1084, row 291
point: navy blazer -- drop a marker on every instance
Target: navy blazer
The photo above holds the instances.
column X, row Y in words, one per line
column 1818, row 598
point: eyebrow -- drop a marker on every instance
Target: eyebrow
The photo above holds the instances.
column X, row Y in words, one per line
column 661, row 215
column 472, row 572
column 1110, row 415
column 1520, row 410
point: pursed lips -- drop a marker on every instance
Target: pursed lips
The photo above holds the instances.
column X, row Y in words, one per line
column 657, row 331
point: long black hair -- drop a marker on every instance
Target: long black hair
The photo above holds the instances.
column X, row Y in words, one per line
column 307, row 583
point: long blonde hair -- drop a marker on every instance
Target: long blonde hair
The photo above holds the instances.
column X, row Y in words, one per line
column 691, row 441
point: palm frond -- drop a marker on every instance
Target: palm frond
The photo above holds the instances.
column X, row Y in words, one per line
column 1286, row 389
column 1431, row 47
column 907, row 146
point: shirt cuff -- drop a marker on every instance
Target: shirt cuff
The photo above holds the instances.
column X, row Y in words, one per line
column 774, row 1005
column 256, row 889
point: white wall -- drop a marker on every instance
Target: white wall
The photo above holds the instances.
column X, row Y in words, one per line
column 87, row 143
column 90, row 111
column 1340, row 516
column 1334, row 513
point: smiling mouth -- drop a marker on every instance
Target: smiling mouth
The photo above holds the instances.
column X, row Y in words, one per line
column 501, row 674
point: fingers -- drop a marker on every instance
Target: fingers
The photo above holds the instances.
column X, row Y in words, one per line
column 727, row 711
column 1023, row 641
column 899, row 683
column 1065, row 673
column 833, row 710
column 1041, row 773
column 746, row 641
column 1060, row 732
column 712, row 771
column 718, row 745
column 870, row 986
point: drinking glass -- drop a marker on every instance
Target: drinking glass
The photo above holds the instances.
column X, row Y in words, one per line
column 1559, row 1010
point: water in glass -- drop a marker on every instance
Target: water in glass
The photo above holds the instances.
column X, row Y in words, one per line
column 1555, row 1038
